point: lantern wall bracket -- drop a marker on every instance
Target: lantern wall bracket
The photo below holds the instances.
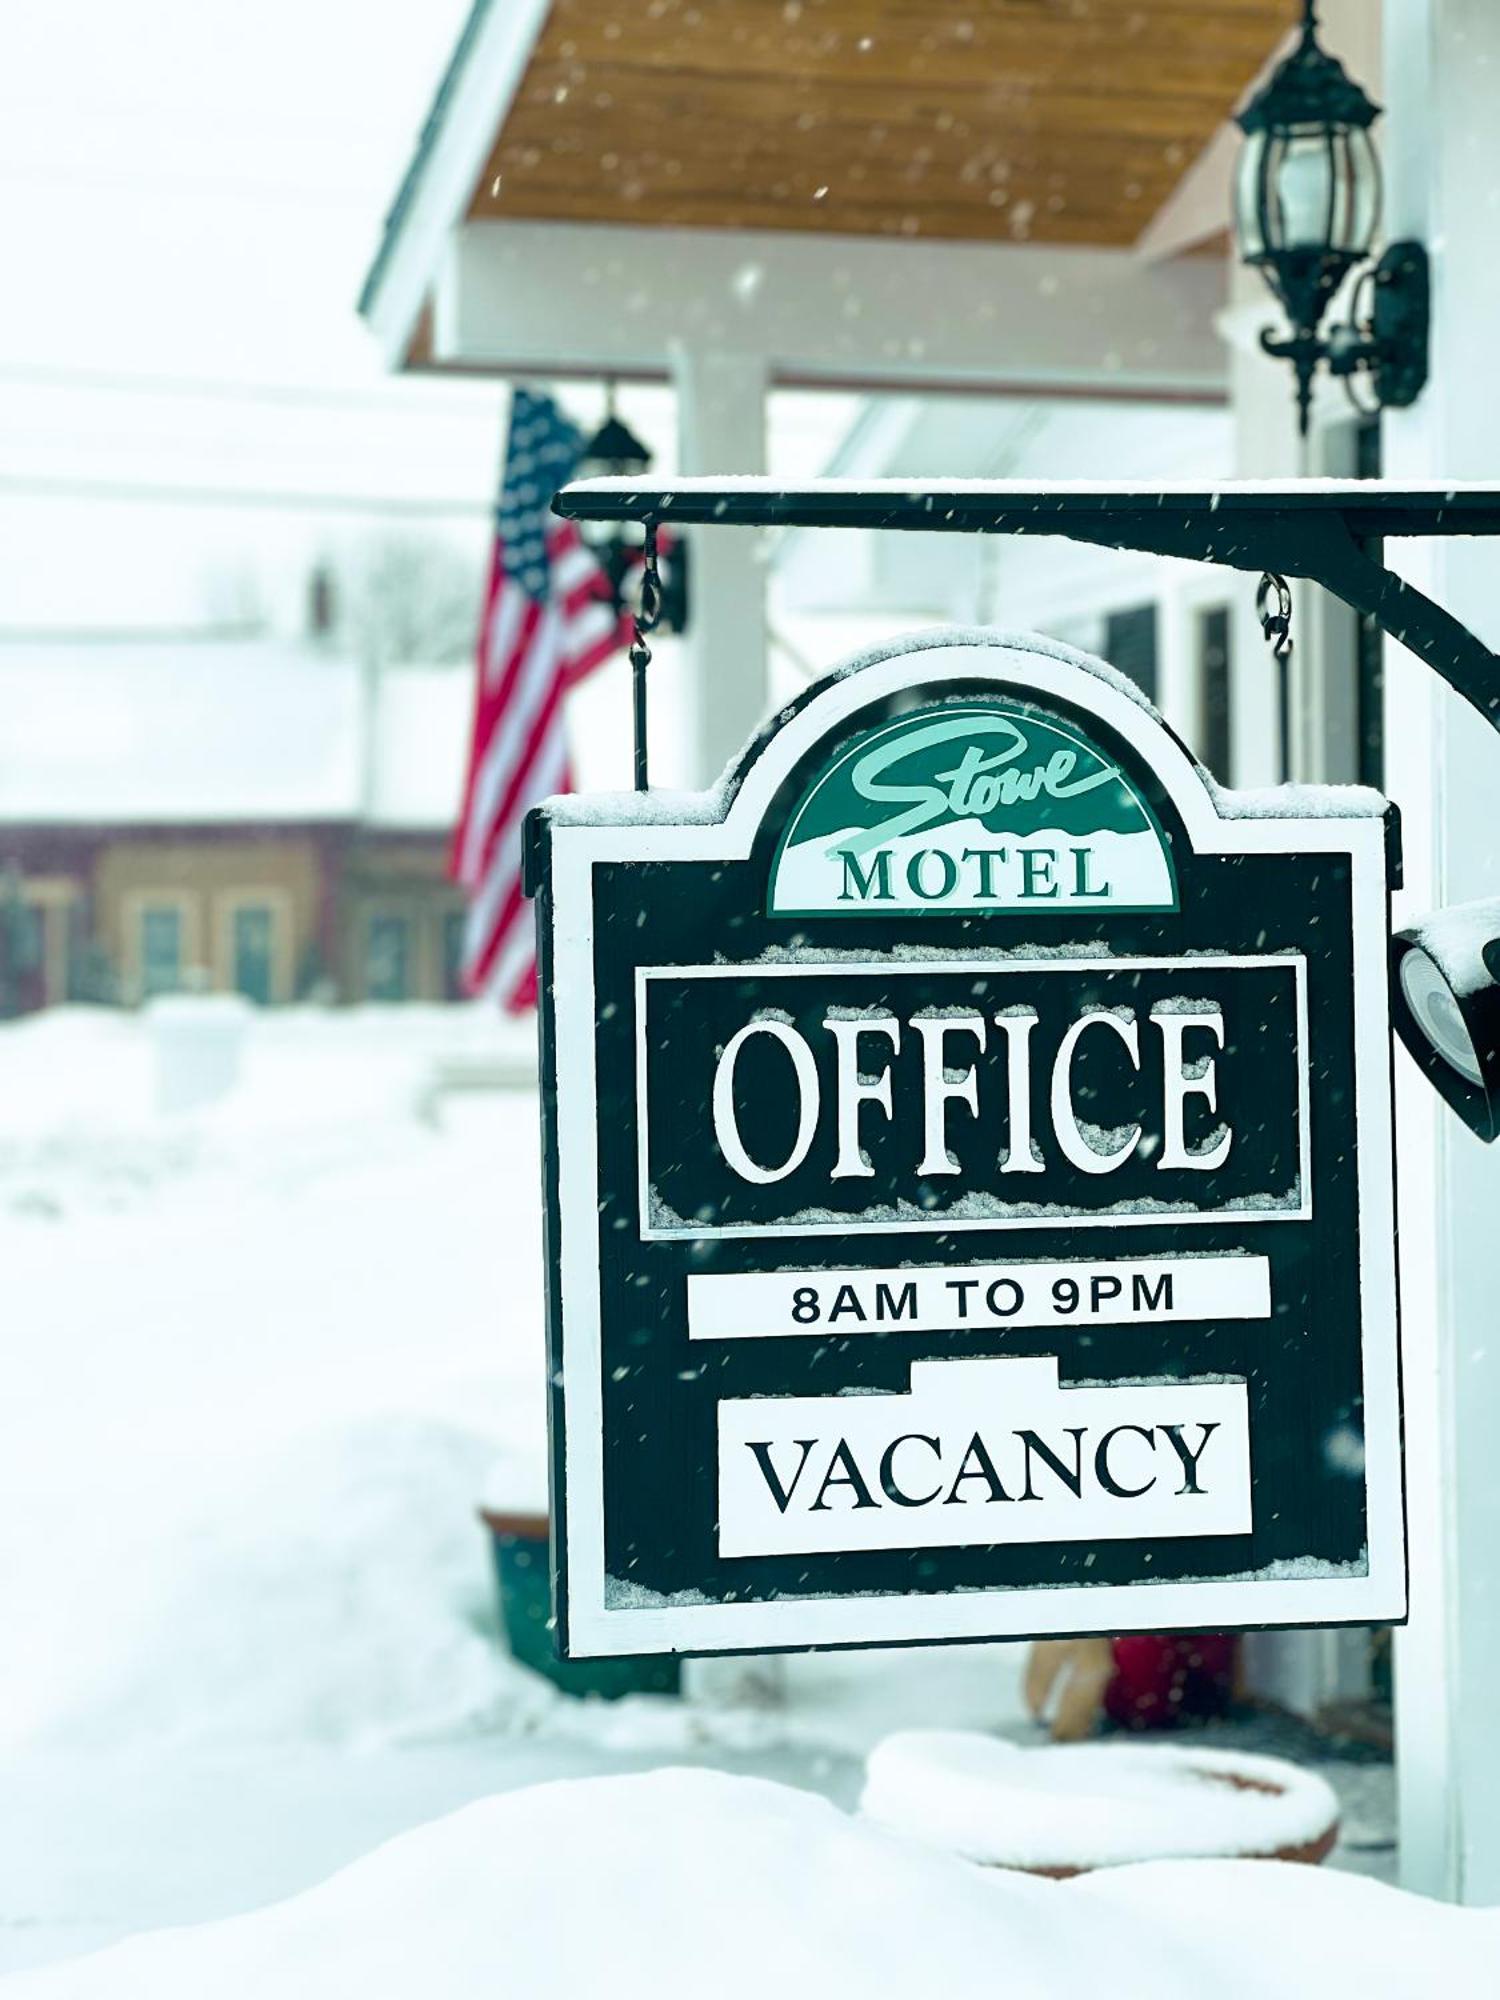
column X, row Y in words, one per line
column 1388, row 345
column 1329, row 532
column 1390, row 342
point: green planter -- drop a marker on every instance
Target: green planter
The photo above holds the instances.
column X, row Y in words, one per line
column 519, row 1541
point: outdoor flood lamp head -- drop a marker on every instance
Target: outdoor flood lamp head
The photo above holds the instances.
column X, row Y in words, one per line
column 1306, row 204
column 1446, row 1001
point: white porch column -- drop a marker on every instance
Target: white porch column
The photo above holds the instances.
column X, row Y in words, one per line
column 721, row 418
column 721, row 403
column 1441, row 144
column 1265, row 447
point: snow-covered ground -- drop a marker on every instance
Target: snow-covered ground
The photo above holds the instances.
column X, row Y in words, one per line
column 260, row 1359
column 259, row 1362
column 680, row 1883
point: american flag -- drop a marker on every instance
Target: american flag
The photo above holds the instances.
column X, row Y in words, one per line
column 548, row 620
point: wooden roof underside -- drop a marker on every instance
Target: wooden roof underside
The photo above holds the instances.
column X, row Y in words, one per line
column 1044, row 121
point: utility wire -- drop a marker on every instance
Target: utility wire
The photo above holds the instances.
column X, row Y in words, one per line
column 44, row 375
column 133, row 492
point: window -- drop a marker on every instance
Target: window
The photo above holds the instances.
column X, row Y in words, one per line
column 1215, row 743
column 23, row 957
column 388, row 958
column 253, row 952
column 161, row 949
column 28, row 938
column 1130, row 645
column 454, row 923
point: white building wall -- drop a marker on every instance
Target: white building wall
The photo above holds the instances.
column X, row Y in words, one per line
column 836, row 592
column 1442, row 154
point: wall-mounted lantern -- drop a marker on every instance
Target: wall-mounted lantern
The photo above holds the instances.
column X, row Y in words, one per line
column 1306, row 208
column 615, row 452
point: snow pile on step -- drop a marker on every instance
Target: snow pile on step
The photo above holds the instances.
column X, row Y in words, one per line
column 330, row 1589
column 262, row 1360
column 683, row 1883
column 319, row 1093
column 1090, row 1805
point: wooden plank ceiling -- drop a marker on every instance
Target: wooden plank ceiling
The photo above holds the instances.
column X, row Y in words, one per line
column 1049, row 121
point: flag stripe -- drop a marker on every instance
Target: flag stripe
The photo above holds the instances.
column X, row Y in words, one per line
column 521, row 779
column 507, row 736
column 549, row 619
column 502, row 874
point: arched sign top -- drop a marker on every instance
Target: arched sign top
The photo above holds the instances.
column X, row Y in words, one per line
column 980, row 804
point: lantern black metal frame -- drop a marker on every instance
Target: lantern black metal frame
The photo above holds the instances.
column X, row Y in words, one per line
column 1311, row 105
column 616, row 452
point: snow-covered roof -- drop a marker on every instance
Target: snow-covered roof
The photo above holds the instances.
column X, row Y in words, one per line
column 422, row 722
column 173, row 731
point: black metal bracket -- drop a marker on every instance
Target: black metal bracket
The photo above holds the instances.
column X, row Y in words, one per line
column 1389, row 345
column 1320, row 530
column 1393, row 344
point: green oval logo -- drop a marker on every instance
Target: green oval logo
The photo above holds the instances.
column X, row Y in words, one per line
column 974, row 806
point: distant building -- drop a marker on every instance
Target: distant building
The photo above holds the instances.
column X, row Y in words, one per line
column 229, row 813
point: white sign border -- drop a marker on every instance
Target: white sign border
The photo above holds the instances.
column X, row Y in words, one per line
column 595, row 1629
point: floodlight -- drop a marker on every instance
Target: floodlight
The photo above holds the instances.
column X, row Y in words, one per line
column 1445, row 994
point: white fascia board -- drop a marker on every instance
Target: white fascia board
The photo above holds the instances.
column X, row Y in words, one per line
column 447, row 167
column 835, row 311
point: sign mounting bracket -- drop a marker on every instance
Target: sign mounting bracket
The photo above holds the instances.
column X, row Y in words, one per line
column 1328, row 532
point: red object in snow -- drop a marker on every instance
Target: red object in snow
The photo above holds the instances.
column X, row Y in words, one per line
column 1163, row 1679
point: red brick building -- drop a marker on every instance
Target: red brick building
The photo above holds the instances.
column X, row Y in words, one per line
column 229, row 813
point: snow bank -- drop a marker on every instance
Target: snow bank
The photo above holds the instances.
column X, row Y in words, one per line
column 1090, row 1805
column 319, row 1092
column 689, row 1883
column 261, row 1360
column 332, row 1590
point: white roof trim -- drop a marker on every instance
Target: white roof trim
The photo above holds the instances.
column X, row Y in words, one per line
column 471, row 107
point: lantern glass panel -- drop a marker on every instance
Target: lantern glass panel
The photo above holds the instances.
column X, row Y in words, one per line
column 1309, row 187
column 1363, row 189
column 1248, row 187
column 1304, row 188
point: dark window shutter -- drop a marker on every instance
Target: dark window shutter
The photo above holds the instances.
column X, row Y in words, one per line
column 1130, row 645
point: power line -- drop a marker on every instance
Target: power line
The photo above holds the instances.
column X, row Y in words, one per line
column 133, row 492
column 136, row 635
column 217, row 389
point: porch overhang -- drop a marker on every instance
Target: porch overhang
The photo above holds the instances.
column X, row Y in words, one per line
column 871, row 195
column 561, row 299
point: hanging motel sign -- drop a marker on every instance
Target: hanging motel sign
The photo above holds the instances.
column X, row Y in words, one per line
column 969, row 1180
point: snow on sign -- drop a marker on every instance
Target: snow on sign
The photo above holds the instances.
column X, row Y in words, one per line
column 969, row 1179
